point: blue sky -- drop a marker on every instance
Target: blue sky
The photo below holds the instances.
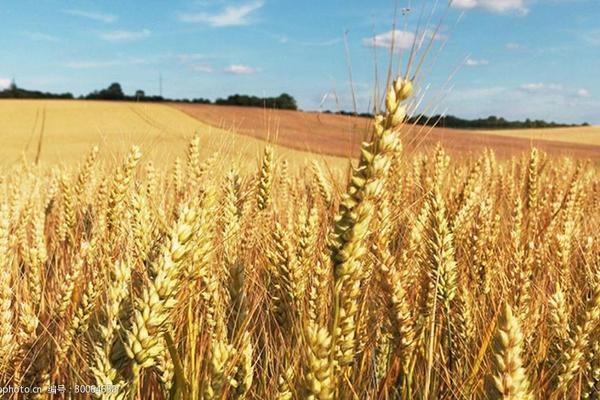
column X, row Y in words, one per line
column 511, row 58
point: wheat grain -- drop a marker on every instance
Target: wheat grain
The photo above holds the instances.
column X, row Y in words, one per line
column 509, row 379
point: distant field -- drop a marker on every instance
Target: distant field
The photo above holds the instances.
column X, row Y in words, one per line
column 341, row 135
column 69, row 128
column 583, row 135
column 317, row 132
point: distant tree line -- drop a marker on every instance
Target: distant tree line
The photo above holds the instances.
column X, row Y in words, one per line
column 351, row 114
column 14, row 92
column 115, row 92
column 491, row 122
column 284, row 101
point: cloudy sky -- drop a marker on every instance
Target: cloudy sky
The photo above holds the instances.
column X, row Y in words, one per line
column 513, row 58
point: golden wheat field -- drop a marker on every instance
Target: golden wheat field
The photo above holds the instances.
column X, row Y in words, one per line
column 584, row 135
column 412, row 276
column 63, row 131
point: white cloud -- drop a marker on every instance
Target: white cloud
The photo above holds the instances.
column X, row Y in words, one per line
column 554, row 89
column 513, row 46
column 583, row 93
column 188, row 57
column 124, row 36
column 4, row 83
column 536, row 100
column 499, row 6
column 541, row 87
column 40, row 37
column 95, row 16
column 475, row 63
column 401, row 39
column 229, row 16
column 239, row 69
column 466, row 4
column 205, row 68
column 532, row 87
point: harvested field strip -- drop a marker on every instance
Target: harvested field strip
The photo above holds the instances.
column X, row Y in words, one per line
column 340, row 135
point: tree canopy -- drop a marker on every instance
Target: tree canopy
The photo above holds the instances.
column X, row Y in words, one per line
column 491, row 122
column 284, row 101
column 112, row 92
column 15, row 92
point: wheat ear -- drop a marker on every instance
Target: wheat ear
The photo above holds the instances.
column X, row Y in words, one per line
column 508, row 380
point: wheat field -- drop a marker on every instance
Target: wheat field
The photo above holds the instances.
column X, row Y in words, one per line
column 411, row 276
column 583, row 135
column 62, row 131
